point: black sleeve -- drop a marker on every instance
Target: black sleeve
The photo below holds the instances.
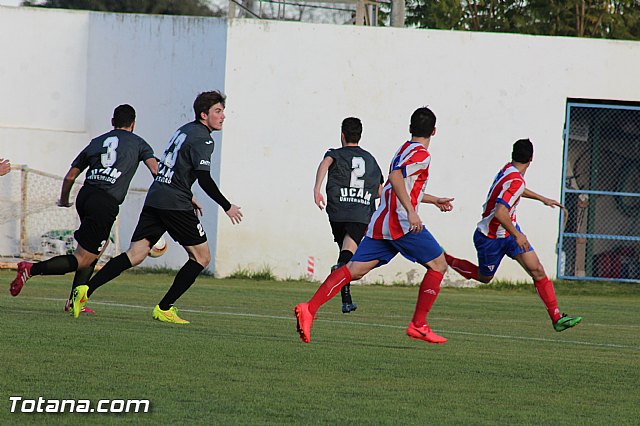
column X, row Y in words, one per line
column 81, row 161
column 211, row 189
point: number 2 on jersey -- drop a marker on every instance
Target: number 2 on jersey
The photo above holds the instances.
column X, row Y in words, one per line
column 357, row 171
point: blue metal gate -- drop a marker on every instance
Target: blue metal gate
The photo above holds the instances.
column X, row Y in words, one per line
column 600, row 234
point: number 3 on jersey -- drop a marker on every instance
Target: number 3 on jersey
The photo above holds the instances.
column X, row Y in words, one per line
column 108, row 159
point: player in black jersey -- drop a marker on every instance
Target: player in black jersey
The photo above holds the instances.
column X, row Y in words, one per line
column 170, row 207
column 112, row 160
column 353, row 184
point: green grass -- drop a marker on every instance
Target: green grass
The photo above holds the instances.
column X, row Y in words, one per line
column 263, row 274
column 240, row 361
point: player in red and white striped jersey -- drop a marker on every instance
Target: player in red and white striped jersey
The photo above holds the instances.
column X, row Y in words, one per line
column 507, row 188
column 396, row 228
column 391, row 219
column 498, row 234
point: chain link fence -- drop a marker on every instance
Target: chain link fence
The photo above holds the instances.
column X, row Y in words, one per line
column 600, row 237
column 33, row 227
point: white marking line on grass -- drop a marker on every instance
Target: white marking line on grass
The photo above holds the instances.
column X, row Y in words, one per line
column 368, row 324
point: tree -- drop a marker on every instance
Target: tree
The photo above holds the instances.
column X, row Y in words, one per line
column 619, row 19
column 159, row 7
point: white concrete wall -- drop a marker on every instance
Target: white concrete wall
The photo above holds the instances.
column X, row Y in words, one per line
column 43, row 76
column 291, row 84
column 158, row 64
column 60, row 84
column 289, row 87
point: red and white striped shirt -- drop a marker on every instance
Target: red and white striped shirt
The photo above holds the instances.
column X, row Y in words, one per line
column 507, row 188
column 389, row 222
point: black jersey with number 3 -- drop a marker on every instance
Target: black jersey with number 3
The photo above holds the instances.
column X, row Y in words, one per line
column 112, row 160
column 189, row 150
column 353, row 181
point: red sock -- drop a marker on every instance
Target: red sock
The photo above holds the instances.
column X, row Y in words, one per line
column 427, row 294
column 329, row 288
column 463, row 267
column 544, row 287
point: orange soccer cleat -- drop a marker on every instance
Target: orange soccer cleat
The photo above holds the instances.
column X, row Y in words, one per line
column 424, row 333
column 304, row 321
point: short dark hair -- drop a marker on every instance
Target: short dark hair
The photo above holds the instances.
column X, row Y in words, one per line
column 423, row 121
column 352, row 129
column 522, row 151
column 205, row 100
column 123, row 116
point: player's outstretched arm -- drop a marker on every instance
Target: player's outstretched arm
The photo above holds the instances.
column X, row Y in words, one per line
column 67, row 184
column 544, row 200
column 234, row 214
column 152, row 165
column 323, row 167
column 5, row 166
column 211, row 189
column 443, row 203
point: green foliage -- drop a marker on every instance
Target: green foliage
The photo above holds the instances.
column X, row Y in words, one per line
column 241, row 362
column 158, row 7
column 615, row 19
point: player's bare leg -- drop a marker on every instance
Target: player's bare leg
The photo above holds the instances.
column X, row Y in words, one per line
column 305, row 312
column 544, row 287
column 429, row 288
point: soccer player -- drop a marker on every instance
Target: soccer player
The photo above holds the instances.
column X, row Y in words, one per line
column 170, row 207
column 112, row 160
column 354, row 183
column 395, row 227
column 498, row 234
column 5, row 166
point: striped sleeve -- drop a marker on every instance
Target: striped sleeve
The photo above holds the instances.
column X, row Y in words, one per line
column 414, row 162
column 511, row 192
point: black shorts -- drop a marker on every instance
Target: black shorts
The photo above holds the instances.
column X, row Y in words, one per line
column 182, row 225
column 354, row 229
column 98, row 211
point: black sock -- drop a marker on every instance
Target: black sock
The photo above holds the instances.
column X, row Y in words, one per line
column 181, row 283
column 58, row 265
column 83, row 276
column 112, row 269
column 344, row 257
column 345, row 292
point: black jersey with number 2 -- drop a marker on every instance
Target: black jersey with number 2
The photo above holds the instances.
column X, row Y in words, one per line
column 112, row 160
column 353, row 181
column 189, row 150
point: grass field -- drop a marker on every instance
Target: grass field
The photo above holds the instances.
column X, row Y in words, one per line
column 241, row 362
